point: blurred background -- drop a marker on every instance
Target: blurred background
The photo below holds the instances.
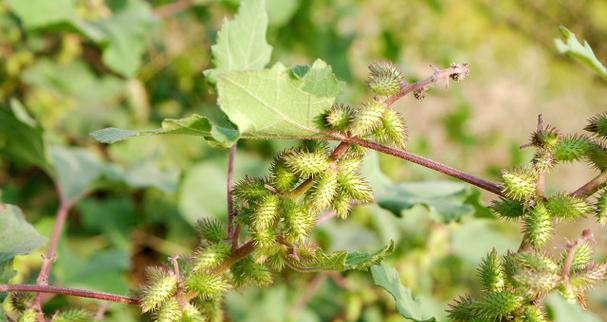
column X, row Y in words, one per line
column 74, row 66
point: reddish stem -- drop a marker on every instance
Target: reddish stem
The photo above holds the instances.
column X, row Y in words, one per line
column 69, row 291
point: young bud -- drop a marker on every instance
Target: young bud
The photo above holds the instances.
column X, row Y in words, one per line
column 545, row 138
column 392, row 130
column 538, row 226
column 600, row 208
column 367, row 118
column 250, row 189
column 563, row 206
column 354, row 186
column 341, row 204
column 209, row 257
column 598, row 125
column 385, row 79
column 491, row 272
column 168, row 312
column 533, row 313
column 543, row 161
column 572, row 148
column 264, row 238
column 298, row 222
column 507, row 208
column 211, row 230
column 519, row 184
column 306, row 163
column 246, row 271
column 159, row 286
column 277, row 260
column 319, row 197
column 73, row 316
column 283, row 178
column 206, row 286
column 265, row 213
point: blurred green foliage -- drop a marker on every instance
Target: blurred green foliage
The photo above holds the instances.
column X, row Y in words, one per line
column 69, row 67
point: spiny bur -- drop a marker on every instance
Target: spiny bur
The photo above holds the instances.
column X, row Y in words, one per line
column 211, row 230
column 160, row 285
column 538, row 226
column 491, row 272
column 266, row 212
column 519, row 184
column 572, row 148
column 206, row 258
column 392, row 130
column 206, row 286
column 28, row 316
column 306, row 163
column 564, row 206
column 75, row 315
column 249, row 189
column 367, row 118
column 546, row 138
column 508, row 209
column 298, row 221
column 168, row 312
column 321, row 195
column 598, row 125
column 283, row 178
column 385, row 79
column 582, row 256
column 600, row 208
column 337, row 118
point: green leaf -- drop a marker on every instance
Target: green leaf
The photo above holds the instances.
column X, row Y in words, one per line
column 273, row 104
column 387, row 278
column 20, row 140
column 196, row 125
column 582, row 53
column 362, row 261
column 241, row 42
column 40, row 13
column 445, row 200
column 18, row 237
column 564, row 311
column 281, row 11
column 344, row 261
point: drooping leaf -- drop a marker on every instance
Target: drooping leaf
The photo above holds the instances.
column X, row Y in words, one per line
column 582, row 53
column 445, row 200
column 222, row 134
column 274, row 104
column 40, row 13
column 21, row 141
column 241, row 42
column 387, row 277
column 18, row 237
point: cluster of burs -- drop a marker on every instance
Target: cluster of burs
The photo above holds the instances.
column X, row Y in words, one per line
column 278, row 212
column 515, row 284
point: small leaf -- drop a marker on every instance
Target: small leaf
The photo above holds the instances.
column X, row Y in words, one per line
column 582, row 53
column 387, row 278
column 241, row 42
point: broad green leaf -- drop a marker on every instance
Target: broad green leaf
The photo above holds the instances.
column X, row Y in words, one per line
column 147, row 173
column 387, row 277
column 76, row 169
column 272, row 104
column 21, row 141
column 196, row 125
column 582, row 53
column 465, row 240
column 18, row 237
column 445, row 200
column 241, row 42
column 40, row 13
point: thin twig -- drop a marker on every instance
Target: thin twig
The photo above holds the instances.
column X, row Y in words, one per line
column 540, row 176
column 51, row 253
column 70, row 292
column 591, row 186
column 427, row 163
column 230, row 190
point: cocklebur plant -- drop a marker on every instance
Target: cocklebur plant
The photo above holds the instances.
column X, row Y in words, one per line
column 515, row 284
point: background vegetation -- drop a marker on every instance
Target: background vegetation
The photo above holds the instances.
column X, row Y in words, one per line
column 68, row 67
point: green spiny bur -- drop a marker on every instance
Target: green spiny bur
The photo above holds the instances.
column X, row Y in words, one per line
column 496, row 305
column 392, row 129
column 385, row 79
column 247, row 272
column 265, row 213
column 519, row 184
column 249, row 189
column 168, row 312
column 582, row 256
column 209, row 257
column 543, row 161
column 28, row 316
column 192, row 314
column 321, row 195
column 306, row 163
column 567, row 207
column 211, row 230
column 535, row 261
column 536, row 283
column 367, row 118
column 598, row 125
column 533, row 313
column 206, row 286
column 283, row 178
column 572, row 148
column 276, row 261
column 597, row 156
column 338, row 117
column 538, row 226
column 462, row 310
column 491, row 272
column 264, row 238
column 297, row 220
column 600, row 208
column 546, row 138
column 588, row 277
column 341, row 204
column 354, row 186
column 507, row 208
column 19, row 301
column 159, row 286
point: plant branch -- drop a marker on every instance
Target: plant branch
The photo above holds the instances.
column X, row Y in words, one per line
column 591, row 186
column 541, row 177
column 427, row 163
column 49, row 257
column 7, row 288
column 230, row 188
